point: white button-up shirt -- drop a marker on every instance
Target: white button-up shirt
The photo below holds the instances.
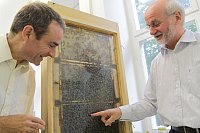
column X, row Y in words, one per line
column 173, row 87
column 17, row 84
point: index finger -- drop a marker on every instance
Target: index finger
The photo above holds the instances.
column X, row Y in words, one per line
column 100, row 113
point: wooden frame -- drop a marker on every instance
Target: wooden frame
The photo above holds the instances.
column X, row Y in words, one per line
column 51, row 83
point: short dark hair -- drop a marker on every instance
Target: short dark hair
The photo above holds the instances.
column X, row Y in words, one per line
column 37, row 14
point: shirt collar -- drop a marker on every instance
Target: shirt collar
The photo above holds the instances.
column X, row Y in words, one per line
column 188, row 36
column 4, row 49
column 163, row 50
column 6, row 53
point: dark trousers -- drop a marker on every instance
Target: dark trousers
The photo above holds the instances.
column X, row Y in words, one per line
column 184, row 130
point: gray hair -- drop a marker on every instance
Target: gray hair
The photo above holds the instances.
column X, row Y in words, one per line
column 173, row 6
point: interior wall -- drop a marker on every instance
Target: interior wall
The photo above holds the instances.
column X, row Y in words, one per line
column 7, row 13
column 69, row 3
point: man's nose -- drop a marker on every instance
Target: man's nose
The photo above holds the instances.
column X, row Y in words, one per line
column 152, row 30
column 52, row 52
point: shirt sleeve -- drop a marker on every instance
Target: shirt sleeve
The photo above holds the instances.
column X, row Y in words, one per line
column 146, row 107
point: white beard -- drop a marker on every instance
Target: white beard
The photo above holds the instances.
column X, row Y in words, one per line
column 168, row 35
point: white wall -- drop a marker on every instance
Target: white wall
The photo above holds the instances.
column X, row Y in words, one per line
column 69, row 3
column 7, row 13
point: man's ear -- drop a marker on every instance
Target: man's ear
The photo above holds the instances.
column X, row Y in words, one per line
column 27, row 32
column 178, row 16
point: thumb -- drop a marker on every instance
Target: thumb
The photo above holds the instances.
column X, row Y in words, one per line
column 110, row 121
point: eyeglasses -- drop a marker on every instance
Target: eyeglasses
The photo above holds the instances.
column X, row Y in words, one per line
column 156, row 23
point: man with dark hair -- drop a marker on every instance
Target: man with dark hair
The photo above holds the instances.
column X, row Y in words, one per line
column 35, row 33
column 173, row 87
